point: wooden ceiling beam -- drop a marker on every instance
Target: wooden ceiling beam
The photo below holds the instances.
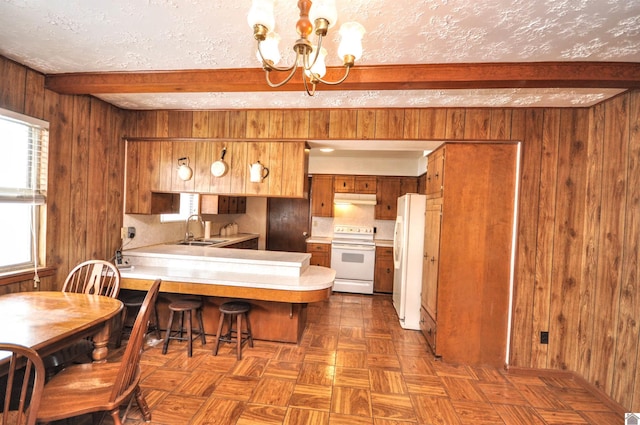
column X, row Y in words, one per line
column 623, row 75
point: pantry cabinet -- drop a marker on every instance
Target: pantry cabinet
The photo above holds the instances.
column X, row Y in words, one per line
column 152, row 168
column 468, row 251
column 383, row 275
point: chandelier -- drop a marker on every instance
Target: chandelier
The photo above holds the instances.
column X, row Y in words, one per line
column 318, row 18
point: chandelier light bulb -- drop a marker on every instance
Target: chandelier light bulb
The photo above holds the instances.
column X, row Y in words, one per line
column 270, row 48
column 319, row 68
column 351, row 34
column 261, row 13
column 324, row 9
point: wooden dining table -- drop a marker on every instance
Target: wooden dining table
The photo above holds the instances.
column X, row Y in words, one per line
column 48, row 321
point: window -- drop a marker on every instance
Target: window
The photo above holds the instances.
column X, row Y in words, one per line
column 188, row 206
column 23, row 188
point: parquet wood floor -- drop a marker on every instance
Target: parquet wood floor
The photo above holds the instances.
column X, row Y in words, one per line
column 355, row 365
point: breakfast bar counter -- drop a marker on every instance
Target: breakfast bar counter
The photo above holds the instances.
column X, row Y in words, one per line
column 278, row 284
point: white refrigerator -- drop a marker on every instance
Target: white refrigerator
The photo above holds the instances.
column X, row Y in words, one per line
column 408, row 242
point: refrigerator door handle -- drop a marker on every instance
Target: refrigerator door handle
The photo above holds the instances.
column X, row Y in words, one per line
column 397, row 242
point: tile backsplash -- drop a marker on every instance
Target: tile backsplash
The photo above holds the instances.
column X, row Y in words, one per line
column 357, row 215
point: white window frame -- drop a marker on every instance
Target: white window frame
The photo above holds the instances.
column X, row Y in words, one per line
column 20, row 236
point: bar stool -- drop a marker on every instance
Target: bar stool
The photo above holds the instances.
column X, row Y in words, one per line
column 188, row 307
column 132, row 301
column 233, row 309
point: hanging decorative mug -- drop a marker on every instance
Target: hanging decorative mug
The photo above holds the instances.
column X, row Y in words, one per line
column 258, row 172
column 184, row 171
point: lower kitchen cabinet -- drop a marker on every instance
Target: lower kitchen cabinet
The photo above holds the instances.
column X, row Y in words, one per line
column 383, row 276
column 248, row 244
column 320, row 254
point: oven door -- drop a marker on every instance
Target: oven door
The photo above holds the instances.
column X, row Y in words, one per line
column 353, row 261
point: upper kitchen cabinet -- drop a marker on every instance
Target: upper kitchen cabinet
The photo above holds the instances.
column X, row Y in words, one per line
column 388, row 190
column 152, row 168
column 365, row 184
column 143, row 171
column 354, row 184
column 468, row 251
column 435, row 174
column 344, row 184
column 284, row 169
column 408, row 185
column 322, row 196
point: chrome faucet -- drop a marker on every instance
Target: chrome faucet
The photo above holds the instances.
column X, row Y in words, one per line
column 188, row 236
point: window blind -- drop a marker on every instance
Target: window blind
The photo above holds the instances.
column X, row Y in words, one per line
column 24, row 150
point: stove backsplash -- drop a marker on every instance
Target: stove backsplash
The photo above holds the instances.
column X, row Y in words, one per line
column 357, row 215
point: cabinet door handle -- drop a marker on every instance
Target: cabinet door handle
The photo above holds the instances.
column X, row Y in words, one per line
column 388, row 270
column 433, row 259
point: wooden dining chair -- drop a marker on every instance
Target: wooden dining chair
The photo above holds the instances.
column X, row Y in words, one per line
column 22, row 384
column 89, row 277
column 93, row 277
column 101, row 387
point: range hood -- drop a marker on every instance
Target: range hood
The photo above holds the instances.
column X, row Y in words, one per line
column 354, row 198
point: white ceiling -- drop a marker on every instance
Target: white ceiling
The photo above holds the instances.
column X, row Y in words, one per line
column 63, row 36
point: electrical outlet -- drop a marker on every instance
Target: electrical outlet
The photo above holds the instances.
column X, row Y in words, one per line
column 131, row 232
column 123, row 233
column 544, row 337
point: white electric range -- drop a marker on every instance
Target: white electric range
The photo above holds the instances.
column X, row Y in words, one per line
column 353, row 255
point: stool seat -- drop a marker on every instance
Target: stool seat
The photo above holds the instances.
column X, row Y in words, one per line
column 235, row 307
column 231, row 309
column 184, row 307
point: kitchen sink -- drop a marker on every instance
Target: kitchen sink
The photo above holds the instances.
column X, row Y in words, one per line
column 207, row 242
column 194, row 243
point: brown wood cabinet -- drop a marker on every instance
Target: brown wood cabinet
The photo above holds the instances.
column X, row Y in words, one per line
column 152, row 166
column 322, row 196
column 320, row 254
column 468, row 250
column 344, row 184
column 248, row 244
column 383, row 276
column 388, row 190
column 222, row 204
column 435, row 174
column 365, row 184
column 354, row 184
column 408, row 185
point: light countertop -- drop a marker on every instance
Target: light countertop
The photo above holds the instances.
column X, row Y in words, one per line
column 226, row 266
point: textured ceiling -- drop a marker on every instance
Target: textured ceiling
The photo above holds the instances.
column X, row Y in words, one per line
column 61, row 36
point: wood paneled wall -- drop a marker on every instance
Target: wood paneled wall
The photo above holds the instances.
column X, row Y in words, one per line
column 579, row 216
column 86, row 163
